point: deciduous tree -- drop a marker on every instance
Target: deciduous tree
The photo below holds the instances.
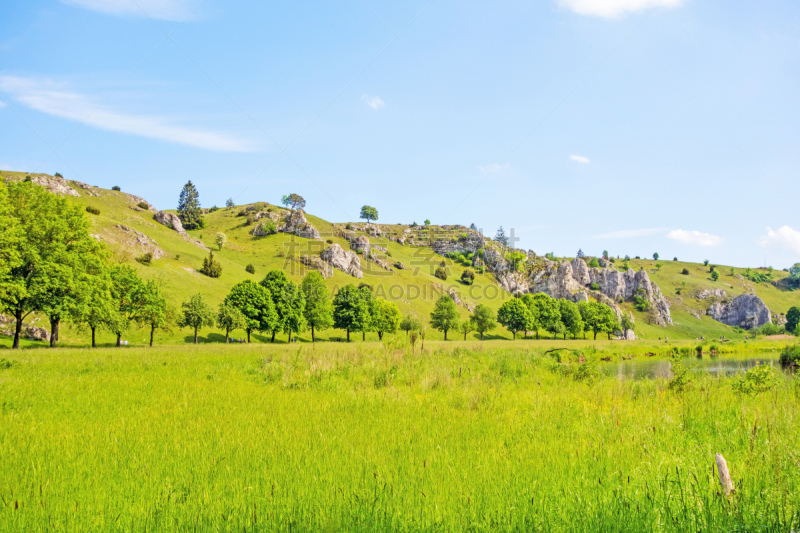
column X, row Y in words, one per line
column 196, row 314
column 444, row 316
column 484, row 319
column 515, row 316
column 289, row 303
column 318, row 310
column 230, row 318
column 351, row 309
column 385, row 317
column 255, row 303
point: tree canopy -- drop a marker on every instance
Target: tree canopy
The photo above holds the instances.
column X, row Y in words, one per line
column 318, row 310
column 484, row 319
column 444, row 316
column 230, row 318
column 369, row 213
column 351, row 309
column 189, row 207
column 289, row 303
column 255, row 303
column 196, row 314
column 515, row 316
column 385, row 317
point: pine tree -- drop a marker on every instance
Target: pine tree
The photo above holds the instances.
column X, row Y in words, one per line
column 189, row 207
column 501, row 237
column 580, row 253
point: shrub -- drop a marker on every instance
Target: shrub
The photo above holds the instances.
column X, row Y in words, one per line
column 674, row 258
column 790, row 357
column 594, row 263
column 213, row 208
column 251, row 219
column 250, row 269
column 758, row 379
column 699, row 350
column 211, row 267
column 145, row 259
column 348, row 226
column 595, row 286
column 92, row 210
column 680, row 375
column 678, row 292
column 329, row 241
column 441, row 273
column 715, row 275
column 115, row 188
column 241, row 213
column 685, row 271
column 144, row 205
column 468, row 276
column 705, row 263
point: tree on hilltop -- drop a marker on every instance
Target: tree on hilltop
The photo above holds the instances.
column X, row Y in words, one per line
column 293, row 201
column 501, row 237
column 369, row 213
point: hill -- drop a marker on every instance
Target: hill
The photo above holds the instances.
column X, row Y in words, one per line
column 127, row 224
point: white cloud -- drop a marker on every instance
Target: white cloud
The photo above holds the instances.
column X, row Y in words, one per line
column 628, row 233
column 494, row 167
column 175, row 10
column 48, row 97
column 373, row 101
column 694, row 237
column 785, row 237
column 579, row 158
column 2, row 104
column 614, row 8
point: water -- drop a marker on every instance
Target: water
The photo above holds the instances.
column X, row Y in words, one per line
column 647, row 368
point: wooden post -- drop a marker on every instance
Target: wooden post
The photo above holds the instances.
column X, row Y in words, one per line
column 724, row 475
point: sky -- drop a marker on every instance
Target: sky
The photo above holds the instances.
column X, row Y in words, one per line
column 633, row 126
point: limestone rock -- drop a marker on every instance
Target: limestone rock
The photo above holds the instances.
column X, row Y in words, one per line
column 745, row 311
column 170, row 220
column 315, row 263
column 139, row 200
column 90, row 190
column 30, row 332
column 297, row 224
column 513, row 282
column 360, row 244
column 54, row 184
column 345, row 261
column 141, row 241
column 711, row 293
column 556, row 280
column 580, row 271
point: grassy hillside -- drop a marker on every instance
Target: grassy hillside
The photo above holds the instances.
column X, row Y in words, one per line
column 415, row 289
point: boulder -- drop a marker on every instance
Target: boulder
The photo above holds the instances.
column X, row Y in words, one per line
column 54, row 184
column 315, row 263
column 296, row 223
column 745, row 311
column 139, row 200
column 711, row 293
column 30, row 332
column 345, row 261
column 141, row 241
column 360, row 244
column 90, row 190
column 170, row 220
column 580, row 271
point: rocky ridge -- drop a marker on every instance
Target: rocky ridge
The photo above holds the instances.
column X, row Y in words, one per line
column 746, row 311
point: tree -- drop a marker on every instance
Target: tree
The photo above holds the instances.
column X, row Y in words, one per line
column 385, row 317
column 211, row 267
column 500, row 237
column 705, row 262
column 441, row 273
column 289, row 303
column 533, row 308
column 627, row 324
column 466, row 327
column 468, row 276
column 598, row 317
column 293, row 201
column 255, row 303
column 444, row 316
column 548, row 313
column 792, row 318
column 484, row 319
column 605, row 254
column 98, row 306
column 154, row 311
column 351, row 309
column 318, row 311
column 189, row 207
column 410, row 323
column 220, row 240
column 427, row 222
column 230, row 318
column 655, row 257
column 714, row 275
column 580, row 253
column 368, row 213
column 659, row 265
column 594, row 263
column 196, row 314
column 570, row 317
column 229, row 203
column 515, row 316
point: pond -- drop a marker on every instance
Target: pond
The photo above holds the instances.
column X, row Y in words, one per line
column 646, row 368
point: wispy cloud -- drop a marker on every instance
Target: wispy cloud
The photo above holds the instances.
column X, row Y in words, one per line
column 175, row 10
column 373, row 101
column 2, row 104
column 784, row 237
column 580, row 158
column 494, row 167
column 51, row 98
column 614, row 8
column 628, row 233
column 694, row 237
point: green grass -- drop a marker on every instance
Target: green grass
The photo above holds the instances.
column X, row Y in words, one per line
column 467, row 436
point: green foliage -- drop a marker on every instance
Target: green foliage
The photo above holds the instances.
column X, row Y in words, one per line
column 211, row 267
column 444, row 316
column 196, row 314
column 655, row 257
column 757, row 277
column 145, row 259
column 685, row 271
column 595, row 286
column 484, row 319
column 92, row 210
column 143, row 205
column 115, row 188
column 427, row 222
column 220, row 239
column 255, row 303
column 516, row 259
column 770, row 328
column 250, row 269
column 466, row 327
column 547, row 313
column 640, row 301
column 229, row 203
column 594, row 263
column 792, row 318
column 626, row 323
column 351, row 309
column 153, row 309
column 368, row 213
column 385, row 316
column 680, row 375
column 715, row 275
column 289, row 303
column 598, row 318
column 230, row 318
column 790, row 357
column 758, row 379
column 410, row 323
column 500, row 237
column 468, row 276
column 441, row 273
column 318, row 310
column 515, row 316
column 189, row 208
column 570, row 317
column 294, row 201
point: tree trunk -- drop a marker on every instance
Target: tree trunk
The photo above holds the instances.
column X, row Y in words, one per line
column 53, row 332
column 565, row 335
column 17, row 328
column 595, row 335
column 481, row 335
column 380, row 335
column 119, row 339
column 248, row 336
column 363, row 336
column 515, row 335
column 445, row 334
column 227, row 336
column 465, row 335
column 537, row 334
column 195, row 335
column 290, row 337
column 94, row 345
column 313, row 339
column 348, row 335
column 152, row 331
column 273, row 336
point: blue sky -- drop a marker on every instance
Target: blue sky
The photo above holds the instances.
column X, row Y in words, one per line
column 636, row 126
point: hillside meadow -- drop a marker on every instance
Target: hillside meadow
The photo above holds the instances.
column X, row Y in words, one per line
column 463, row 436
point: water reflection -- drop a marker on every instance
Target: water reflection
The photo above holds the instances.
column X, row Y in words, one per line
column 645, row 368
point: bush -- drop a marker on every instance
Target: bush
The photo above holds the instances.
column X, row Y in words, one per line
column 685, row 271
column 115, row 188
column 329, row 241
column 674, row 258
column 594, row 263
column 241, row 213
column 145, row 259
column 211, row 267
column 92, row 210
column 144, row 205
column 595, row 286
column 768, row 329
column 468, row 276
column 441, row 273
column 251, row 219
column 714, row 275
column 758, row 379
column 348, row 226
column 250, row 269
column 790, row 357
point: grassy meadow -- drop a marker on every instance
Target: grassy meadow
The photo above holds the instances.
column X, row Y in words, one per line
column 494, row 436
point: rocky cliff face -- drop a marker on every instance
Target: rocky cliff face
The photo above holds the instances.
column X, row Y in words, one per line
column 745, row 311
column 297, row 224
column 137, row 239
column 345, row 261
column 54, row 184
column 172, row 221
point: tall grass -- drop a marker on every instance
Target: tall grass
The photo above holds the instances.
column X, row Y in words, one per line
column 372, row 437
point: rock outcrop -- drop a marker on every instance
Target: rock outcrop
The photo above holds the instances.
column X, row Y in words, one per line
column 345, row 261
column 297, row 224
column 30, row 332
column 54, row 184
column 263, row 229
column 360, row 244
column 172, row 221
column 746, row 311
column 711, row 293
column 315, row 263
column 90, row 190
column 137, row 239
